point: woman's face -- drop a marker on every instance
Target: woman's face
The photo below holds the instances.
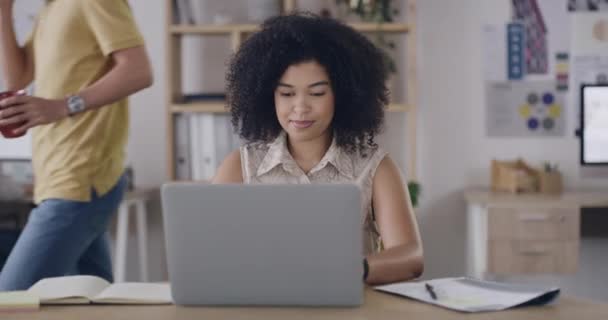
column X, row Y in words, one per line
column 304, row 102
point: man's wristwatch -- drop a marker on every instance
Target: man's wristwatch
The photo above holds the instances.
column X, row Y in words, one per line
column 76, row 105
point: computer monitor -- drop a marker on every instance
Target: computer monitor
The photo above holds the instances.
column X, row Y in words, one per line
column 594, row 125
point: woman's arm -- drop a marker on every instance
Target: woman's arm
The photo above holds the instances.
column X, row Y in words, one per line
column 402, row 257
column 230, row 169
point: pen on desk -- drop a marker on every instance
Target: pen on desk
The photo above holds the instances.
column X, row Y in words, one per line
column 429, row 288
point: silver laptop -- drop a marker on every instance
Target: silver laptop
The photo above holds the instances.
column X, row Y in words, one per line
column 298, row 245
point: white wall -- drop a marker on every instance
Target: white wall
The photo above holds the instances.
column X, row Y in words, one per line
column 147, row 141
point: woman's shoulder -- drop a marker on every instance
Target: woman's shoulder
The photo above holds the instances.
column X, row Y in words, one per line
column 252, row 156
column 254, row 149
column 369, row 155
column 364, row 160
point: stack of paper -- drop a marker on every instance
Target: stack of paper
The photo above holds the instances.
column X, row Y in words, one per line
column 16, row 301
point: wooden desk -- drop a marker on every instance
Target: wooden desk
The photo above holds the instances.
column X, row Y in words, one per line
column 378, row 306
column 525, row 233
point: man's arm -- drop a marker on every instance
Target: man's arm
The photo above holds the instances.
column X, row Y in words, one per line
column 16, row 62
column 130, row 72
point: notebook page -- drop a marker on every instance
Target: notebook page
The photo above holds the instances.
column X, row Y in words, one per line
column 54, row 289
column 136, row 293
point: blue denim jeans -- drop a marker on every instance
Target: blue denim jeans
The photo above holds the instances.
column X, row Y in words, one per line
column 63, row 237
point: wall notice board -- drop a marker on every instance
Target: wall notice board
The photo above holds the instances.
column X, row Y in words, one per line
column 535, row 62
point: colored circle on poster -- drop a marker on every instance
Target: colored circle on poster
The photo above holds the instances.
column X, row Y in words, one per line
column 555, row 110
column 548, row 123
column 548, row 98
column 533, row 124
column 525, row 111
column 561, row 68
column 532, row 98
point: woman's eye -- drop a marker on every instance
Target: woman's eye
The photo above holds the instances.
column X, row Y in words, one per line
column 318, row 94
column 285, row 94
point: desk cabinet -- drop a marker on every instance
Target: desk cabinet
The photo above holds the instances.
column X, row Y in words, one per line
column 532, row 240
column 511, row 234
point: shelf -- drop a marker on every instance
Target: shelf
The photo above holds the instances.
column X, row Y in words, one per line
column 238, row 31
column 212, row 107
column 384, row 27
column 212, row 29
column 249, row 28
column 399, row 107
column 220, row 107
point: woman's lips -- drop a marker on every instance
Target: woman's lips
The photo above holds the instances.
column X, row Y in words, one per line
column 301, row 124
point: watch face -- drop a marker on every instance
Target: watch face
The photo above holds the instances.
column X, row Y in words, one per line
column 75, row 104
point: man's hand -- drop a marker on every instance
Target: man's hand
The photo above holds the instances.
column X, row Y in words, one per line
column 31, row 111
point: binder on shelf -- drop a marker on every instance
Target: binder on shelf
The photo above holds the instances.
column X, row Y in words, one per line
column 184, row 12
column 208, row 158
column 182, row 147
column 202, row 97
column 195, row 142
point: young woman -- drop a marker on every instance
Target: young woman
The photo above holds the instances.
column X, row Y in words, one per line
column 308, row 96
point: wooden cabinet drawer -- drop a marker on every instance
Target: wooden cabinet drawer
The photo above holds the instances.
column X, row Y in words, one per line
column 528, row 257
column 533, row 224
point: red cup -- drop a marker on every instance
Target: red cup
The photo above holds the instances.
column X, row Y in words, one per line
column 8, row 130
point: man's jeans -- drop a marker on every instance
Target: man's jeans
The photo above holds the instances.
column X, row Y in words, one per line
column 63, row 237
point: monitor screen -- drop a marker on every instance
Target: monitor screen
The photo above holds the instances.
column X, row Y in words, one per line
column 594, row 125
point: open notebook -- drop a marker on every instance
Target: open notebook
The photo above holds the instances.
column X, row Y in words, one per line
column 91, row 289
column 471, row 295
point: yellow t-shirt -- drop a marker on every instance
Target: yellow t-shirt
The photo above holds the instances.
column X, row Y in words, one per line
column 71, row 44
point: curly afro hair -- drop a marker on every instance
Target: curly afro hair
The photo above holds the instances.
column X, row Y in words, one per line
column 354, row 65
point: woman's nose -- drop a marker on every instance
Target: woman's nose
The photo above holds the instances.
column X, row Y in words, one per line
column 300, row 104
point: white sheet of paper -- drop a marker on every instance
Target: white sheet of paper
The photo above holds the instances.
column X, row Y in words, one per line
column 494, row 50
column 589, row 33
column 466, row 295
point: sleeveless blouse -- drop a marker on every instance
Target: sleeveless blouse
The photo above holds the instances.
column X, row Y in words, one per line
column 271, row 163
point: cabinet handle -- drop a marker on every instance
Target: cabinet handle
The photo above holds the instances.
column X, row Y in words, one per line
column 533, row 217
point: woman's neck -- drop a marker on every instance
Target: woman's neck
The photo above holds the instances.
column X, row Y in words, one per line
column 308, row 154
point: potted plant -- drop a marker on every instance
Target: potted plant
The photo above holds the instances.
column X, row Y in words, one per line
column 414, row 189
column 376, row 11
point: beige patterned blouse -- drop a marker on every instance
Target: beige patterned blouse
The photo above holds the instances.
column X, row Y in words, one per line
column 272, row 163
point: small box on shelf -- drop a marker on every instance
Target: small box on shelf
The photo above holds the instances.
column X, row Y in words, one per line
column 514, row 176
column 550, row 179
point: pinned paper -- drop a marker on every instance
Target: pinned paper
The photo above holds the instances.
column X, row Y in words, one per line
column 515, row 51
column 561, row 71
column 590, row 33
column 536, row 52
column 524, row 109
